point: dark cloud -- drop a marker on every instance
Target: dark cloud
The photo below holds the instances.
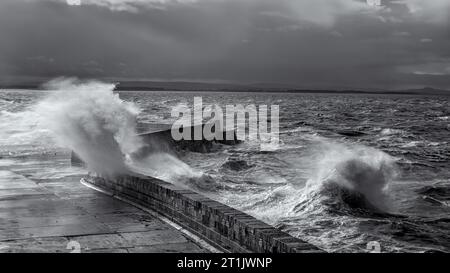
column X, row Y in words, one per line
column 311, row 44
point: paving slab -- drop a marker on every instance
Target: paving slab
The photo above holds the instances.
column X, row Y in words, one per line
column 154, row 237
column 168, row 248
column 50, row 215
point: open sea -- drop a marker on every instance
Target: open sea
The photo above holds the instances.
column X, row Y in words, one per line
column 350, row 169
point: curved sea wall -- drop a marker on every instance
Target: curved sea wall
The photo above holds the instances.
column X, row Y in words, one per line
column 162, row 140
column 159, row 139
column 224, row 227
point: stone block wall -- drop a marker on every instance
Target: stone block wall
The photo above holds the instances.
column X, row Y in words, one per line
column 229, row 229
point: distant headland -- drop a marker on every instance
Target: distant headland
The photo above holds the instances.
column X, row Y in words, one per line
column 231, row 87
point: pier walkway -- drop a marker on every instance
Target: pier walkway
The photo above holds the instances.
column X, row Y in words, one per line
column 63, row 215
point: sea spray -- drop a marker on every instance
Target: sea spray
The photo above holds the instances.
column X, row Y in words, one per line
column 90, row 119
column 356, row 173
column 164, row 166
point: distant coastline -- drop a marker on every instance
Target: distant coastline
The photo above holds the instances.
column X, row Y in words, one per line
column 213, row 87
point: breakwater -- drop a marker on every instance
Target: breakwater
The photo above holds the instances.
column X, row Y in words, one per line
column 222, row 226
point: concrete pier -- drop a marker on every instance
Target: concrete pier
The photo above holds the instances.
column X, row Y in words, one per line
column 127, row 214
column 225, row 228
column 160, row 138
column 58, row 216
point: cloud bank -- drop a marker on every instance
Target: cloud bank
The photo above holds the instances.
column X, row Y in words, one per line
column 306, row 43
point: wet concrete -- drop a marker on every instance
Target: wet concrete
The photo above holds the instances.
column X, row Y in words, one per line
column 226, row 228
column 58, row 216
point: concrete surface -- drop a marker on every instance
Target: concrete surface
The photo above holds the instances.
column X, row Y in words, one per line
column 222, row 226
column 51, row 215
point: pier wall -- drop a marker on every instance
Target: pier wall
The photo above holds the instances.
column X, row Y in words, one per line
column 162, row 139
column 224, row 227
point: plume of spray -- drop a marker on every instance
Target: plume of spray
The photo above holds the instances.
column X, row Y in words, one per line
column 95, row 123
column 359, row 169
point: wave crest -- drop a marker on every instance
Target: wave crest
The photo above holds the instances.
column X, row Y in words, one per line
column 349, row 178
column 90, row 119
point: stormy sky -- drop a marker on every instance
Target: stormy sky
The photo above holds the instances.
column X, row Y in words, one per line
column 387, row 44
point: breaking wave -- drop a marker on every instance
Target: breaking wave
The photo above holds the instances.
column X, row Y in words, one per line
column 90, row 119
column 349, row 178
column 95, row 123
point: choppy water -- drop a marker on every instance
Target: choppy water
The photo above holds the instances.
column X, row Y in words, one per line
column 350, row 168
